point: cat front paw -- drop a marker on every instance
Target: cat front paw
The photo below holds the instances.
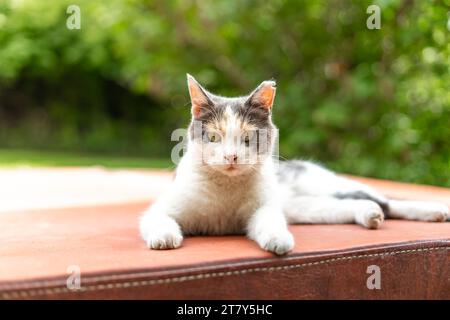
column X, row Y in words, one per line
column 278, row 243
column 164, row 240
column 160, row 232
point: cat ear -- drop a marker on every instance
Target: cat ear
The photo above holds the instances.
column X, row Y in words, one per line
column 199, row 97
column 264, row 95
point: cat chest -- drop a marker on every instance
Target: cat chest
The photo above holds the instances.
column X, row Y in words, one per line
column 216, row 213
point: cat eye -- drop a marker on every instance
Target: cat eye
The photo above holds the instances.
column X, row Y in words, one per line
column 248, row 137
column 213, row 137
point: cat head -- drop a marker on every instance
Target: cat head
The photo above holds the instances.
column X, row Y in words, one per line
column 232, row 135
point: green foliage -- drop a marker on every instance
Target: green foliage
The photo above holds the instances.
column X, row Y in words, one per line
column 370, row 102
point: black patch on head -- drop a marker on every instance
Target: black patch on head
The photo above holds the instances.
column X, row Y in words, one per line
column 361, row 195
column 255, row 114
column 261, row 119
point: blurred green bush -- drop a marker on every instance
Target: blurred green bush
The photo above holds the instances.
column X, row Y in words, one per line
column 370, row 102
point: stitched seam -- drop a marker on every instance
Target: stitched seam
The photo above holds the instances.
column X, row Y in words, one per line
column 141, row 283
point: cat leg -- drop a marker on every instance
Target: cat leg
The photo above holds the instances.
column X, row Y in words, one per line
column 329, row 210
column 268, row 227
column 304, row 178
column 158, row 229
column 400, row 209
column 309, row 179
column 418, row 210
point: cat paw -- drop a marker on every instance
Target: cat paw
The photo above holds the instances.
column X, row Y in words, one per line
column 164, row 240
column 370, row 215
column 160, row 232
column 438, row 213
column 277, row 243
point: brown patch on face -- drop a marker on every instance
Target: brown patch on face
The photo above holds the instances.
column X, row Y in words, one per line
column 247, row 126
column 213, row 126
column 221, row 125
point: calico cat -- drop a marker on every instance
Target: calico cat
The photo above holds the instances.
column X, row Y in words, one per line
column 228, row 182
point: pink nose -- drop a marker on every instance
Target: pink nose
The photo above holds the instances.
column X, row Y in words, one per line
column 231, row 158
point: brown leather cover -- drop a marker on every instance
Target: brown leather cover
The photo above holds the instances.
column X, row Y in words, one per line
column 328, row 262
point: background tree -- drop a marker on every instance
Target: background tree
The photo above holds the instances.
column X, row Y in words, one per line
column 370, row 102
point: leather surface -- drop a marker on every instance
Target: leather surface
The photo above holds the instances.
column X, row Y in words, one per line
column 329, row 261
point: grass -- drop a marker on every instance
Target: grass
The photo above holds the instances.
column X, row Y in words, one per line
column 37, row 158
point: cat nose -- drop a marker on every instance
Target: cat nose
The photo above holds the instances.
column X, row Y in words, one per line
column 230, row 158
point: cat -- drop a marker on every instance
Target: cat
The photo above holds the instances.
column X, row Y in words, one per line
column 228, row 182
